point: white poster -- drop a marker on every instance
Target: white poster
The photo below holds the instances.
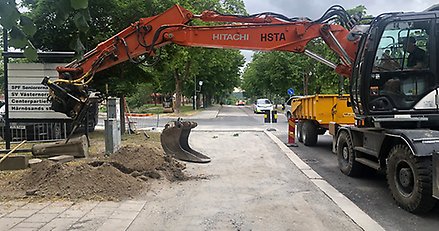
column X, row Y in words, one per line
column 27, row 96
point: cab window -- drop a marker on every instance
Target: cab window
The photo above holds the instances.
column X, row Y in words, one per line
column 403, row 45
column 400, row 74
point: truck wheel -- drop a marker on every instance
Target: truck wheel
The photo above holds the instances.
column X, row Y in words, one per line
column 300, row 131
column 309, row 133
column 346, row 156
column 410, row 179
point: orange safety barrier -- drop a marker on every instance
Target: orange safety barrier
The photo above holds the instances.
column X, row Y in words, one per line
column 139, row 114
column 292, row 133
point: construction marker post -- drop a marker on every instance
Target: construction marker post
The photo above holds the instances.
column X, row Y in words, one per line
column 292, row 133
column 274, row 116
column 266, row 116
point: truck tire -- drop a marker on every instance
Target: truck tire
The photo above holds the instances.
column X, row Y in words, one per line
column 346, row 156
column 410, row 179
column 309, row 133
column 300, row 131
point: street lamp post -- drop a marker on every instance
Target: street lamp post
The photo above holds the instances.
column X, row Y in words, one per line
column 306, row 77
column 201, row 84
column 195, row 93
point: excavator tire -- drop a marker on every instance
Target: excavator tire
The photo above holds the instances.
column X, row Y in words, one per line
column 346, row 156
column 410, row 179
column 174, row 140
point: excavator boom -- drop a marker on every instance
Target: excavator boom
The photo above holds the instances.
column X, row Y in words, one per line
column 265, row 32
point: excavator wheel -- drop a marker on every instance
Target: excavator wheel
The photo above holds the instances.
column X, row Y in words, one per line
column 174, row 140
column 410, row 179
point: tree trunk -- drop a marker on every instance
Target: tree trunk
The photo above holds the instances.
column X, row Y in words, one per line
column 177, row 91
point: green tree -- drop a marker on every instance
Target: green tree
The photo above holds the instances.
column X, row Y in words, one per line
column 102, row 21
column 19, row 26
column 187, row 64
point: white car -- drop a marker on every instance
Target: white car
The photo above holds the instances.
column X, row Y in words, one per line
column 287, row 109
column 262, row 105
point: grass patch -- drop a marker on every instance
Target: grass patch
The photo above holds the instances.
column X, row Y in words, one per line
column 158, row 109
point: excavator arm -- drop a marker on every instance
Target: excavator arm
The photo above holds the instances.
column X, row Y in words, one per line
column 265, row 32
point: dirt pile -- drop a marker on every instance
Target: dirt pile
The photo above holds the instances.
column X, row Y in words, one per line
column 78, row 180
column 146, row 160
column 122, row 175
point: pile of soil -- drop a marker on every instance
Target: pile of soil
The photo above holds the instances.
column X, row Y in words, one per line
column 122, row 175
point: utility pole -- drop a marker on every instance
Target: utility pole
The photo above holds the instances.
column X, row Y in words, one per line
column 5, row 63
column 195, row 92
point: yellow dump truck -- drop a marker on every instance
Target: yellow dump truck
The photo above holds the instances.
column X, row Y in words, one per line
column 317, row 113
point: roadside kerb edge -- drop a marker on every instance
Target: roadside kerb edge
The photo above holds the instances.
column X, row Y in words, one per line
column 347, row 206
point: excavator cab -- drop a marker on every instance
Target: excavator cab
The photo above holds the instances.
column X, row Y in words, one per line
column 395, row 73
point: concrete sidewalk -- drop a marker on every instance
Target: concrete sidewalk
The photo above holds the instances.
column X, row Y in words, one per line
column 262, row 187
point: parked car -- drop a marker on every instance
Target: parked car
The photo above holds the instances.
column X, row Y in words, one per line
column 287, row 109
column 240, row 103
column 262, row 105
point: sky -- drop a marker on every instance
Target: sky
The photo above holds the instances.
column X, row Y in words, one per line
column 313, row 9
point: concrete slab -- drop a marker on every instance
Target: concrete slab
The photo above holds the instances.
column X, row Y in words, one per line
column 77, row 147
column 59, row 224
column 25, row 213
column 90, row 223
column 132, row 205
column 15, row 162
column 29, row 225
column 56, row 207
column 78, row 210
column 41, row 217
column 34, row 161
column 8, row 222
column 115, row 224
column 62, row 158
column 36, row 206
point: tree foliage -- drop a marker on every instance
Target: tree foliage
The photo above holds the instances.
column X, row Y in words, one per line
column 81, row 26
column 185, row 65
column 19, row 26
column 271, row 74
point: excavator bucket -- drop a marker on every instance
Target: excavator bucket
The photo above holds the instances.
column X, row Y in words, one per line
column 174, row 139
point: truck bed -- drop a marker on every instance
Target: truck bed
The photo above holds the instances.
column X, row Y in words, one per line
column 323, row 108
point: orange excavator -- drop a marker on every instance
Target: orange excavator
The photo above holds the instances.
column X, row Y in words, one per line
column 395, row 132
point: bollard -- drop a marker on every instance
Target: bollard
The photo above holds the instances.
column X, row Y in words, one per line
column 274, row 116
column 266, row 116
column 292, row 133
